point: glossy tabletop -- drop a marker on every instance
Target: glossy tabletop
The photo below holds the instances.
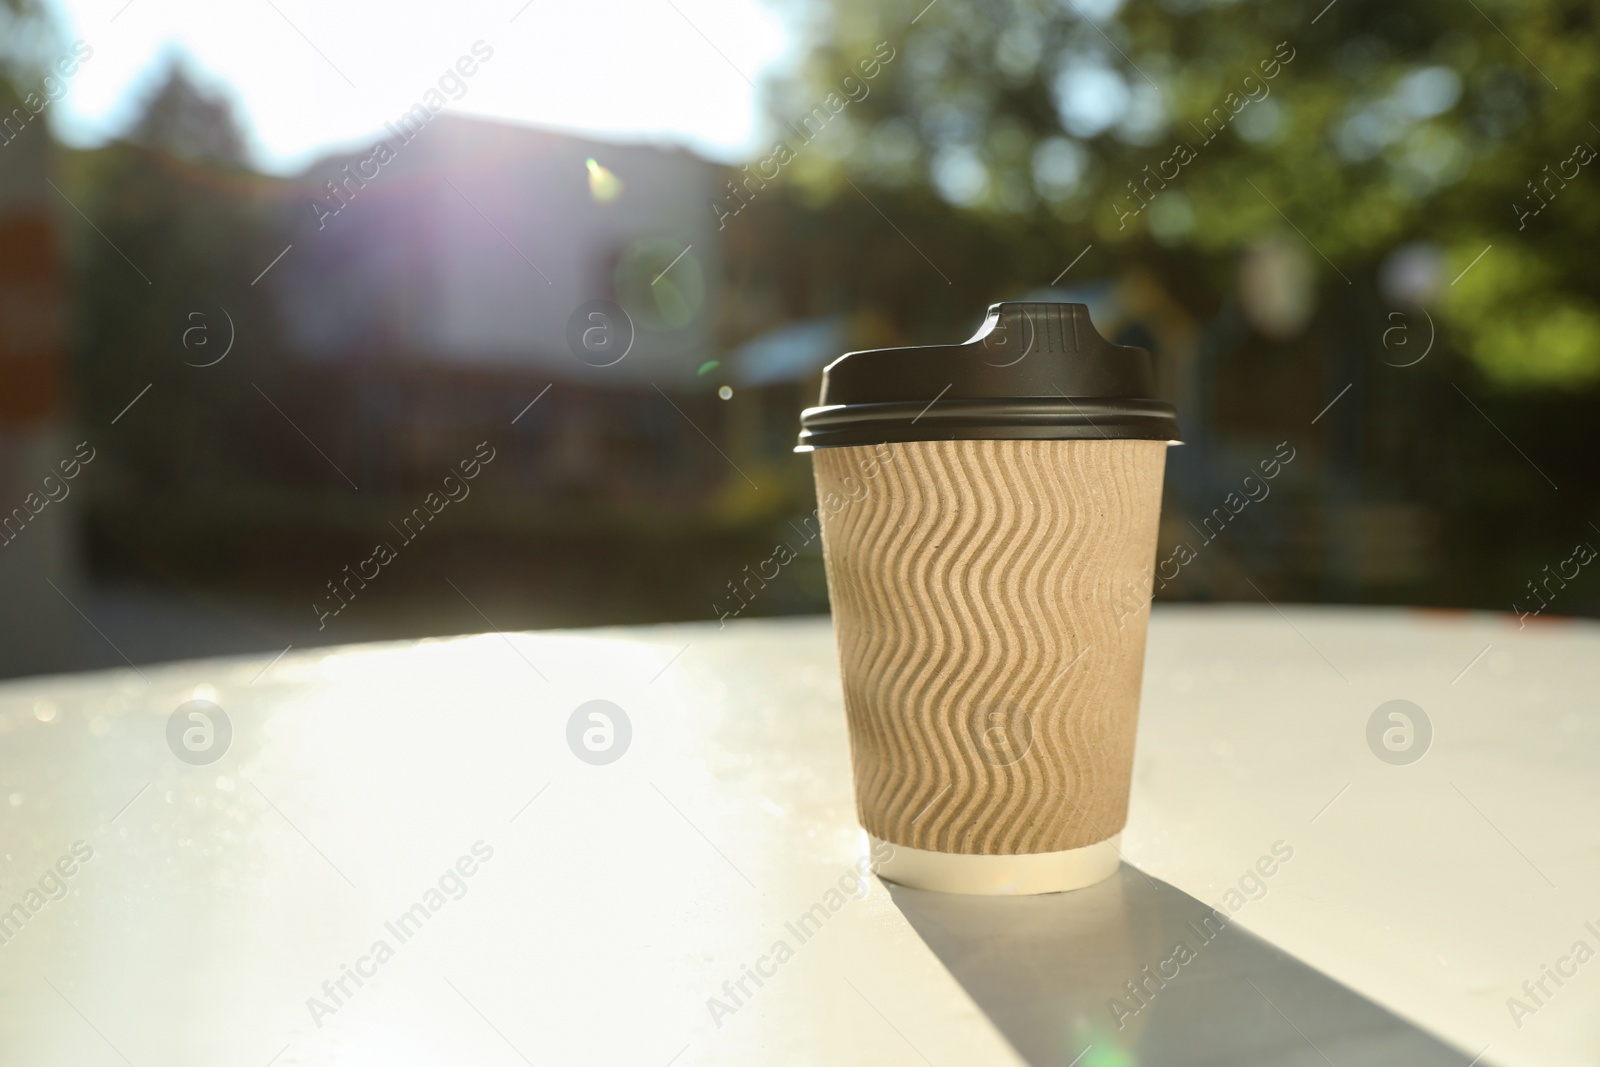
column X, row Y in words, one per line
column 433, row 852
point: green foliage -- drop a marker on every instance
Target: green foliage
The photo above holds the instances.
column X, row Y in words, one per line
column 179, row 227
column 1518, row 325
column 1363, row 126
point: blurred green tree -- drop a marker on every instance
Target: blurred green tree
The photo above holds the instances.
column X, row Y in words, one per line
column 163, row 277
column 1171, row 134
column 191, row 124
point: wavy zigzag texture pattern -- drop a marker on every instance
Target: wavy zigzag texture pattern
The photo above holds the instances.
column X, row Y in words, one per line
column 990, row 600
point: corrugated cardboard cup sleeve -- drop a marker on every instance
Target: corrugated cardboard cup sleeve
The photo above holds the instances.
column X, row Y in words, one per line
column 990, row 600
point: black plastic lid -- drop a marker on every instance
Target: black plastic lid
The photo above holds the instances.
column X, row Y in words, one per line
column 1033, row 370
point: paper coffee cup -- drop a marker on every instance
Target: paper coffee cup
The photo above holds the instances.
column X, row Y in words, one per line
column 989, row 517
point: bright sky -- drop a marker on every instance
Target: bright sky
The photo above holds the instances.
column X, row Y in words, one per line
column 306, row 75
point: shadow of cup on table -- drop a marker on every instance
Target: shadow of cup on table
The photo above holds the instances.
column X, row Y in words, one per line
column 1097, row 978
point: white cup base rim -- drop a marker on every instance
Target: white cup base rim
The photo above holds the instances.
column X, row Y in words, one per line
column 1022, row 874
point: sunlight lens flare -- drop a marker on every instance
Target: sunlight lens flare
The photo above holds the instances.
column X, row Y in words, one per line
column 603, row 185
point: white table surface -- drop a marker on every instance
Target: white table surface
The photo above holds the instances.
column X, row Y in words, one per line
column 220, row 898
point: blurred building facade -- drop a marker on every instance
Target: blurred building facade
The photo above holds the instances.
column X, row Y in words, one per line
column 41, row 562
column 449, row 287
